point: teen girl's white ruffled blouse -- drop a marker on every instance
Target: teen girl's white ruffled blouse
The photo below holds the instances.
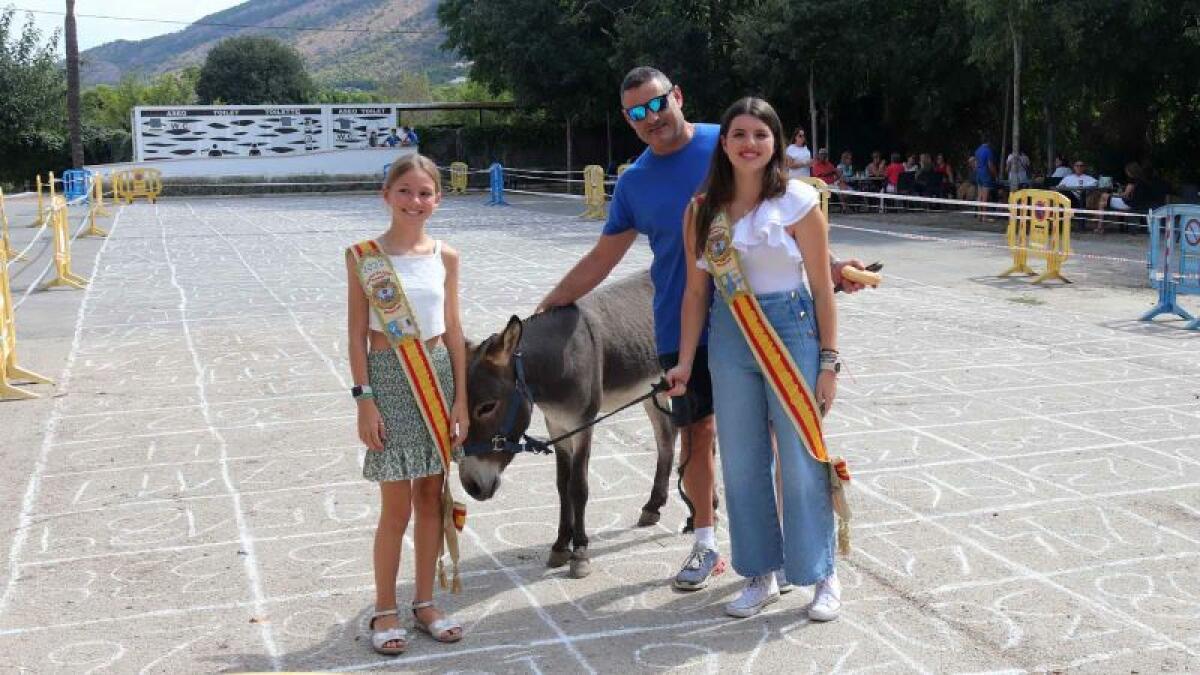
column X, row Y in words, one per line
column 770, row 258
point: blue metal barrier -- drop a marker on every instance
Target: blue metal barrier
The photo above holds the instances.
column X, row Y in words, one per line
column 496, row 183
column 1174, row 259
column 77, row 183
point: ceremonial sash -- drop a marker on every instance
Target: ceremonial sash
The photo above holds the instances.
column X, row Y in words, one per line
column 386, row 296
column 776, row 362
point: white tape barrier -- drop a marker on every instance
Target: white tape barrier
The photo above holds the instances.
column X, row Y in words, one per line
column 969, row 243
column 997, row 206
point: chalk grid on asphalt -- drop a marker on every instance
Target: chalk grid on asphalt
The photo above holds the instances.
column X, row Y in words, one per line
column 1026, row 480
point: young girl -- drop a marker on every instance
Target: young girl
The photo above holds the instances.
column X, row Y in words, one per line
column 775, row 226
column 402, row 455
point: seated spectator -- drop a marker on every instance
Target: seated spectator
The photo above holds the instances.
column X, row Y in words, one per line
column 1061, row 170
column 911, row 165
column 1141, row 193
column 928, row 178
column 892, row 173
column 412, row 136
column 943, row 167
column 1079, row 178
column 392, row 140
column 824, row 169
column 846, row 167
column 878, row 166
column 968, row 190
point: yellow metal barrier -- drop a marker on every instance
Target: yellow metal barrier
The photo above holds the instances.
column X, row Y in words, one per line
column 41, row 205
column 96, row 208
column 130, row 184
column 593, row 192
column 458, row 178
column 823, row 188
column 1039, row 224
column 97, row 198
column 62, row 248
column 7, row 252
column 9, row 370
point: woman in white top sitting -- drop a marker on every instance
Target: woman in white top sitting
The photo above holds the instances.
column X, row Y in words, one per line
column 777, row 227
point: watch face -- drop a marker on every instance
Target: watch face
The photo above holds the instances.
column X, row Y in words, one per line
column 356, row 390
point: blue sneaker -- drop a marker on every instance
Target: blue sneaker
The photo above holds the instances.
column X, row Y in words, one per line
column 702, row 564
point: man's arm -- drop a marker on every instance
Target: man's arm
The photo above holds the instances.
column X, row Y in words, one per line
column 590, row 270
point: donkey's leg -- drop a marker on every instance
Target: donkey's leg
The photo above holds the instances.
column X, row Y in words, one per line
column 578, row 488
column 560, row 552
column 664, row 440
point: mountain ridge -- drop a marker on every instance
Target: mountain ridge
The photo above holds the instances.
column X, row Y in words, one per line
column 339, row 54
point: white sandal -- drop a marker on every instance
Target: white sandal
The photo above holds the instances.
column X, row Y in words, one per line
column 440, row 629
column 380, row 638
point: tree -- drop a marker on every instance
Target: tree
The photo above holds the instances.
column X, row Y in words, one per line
column 74, row 124
column 109, row 106
column 31, row 106
column 30, row 78
column 792, row 51
column 253, row 70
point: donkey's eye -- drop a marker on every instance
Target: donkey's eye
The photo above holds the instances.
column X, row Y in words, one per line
column 485, row 409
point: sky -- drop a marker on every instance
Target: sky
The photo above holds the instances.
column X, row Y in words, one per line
column 93, row 32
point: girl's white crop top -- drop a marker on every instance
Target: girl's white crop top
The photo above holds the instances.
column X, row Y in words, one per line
column 424, row 281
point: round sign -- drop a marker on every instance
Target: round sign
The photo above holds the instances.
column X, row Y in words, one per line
column 1191, row 232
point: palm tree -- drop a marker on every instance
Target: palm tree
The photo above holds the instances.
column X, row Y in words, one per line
column 73, row 123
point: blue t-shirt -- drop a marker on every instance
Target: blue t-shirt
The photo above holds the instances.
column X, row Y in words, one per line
column 983, row 157
column 651, row 197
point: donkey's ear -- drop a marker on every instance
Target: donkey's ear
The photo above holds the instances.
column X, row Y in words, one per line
column 501, row 349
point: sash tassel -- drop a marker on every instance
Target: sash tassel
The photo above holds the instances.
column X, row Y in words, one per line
column 777, row 365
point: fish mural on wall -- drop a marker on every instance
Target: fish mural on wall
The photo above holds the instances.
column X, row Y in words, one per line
column 216, row 132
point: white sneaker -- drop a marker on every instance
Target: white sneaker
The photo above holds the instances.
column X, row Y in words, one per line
column 781, row 580
column 827, row 599
column 759, row 592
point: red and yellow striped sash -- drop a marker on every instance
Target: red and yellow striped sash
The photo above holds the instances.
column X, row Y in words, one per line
column 386, row 297
column 772, row 355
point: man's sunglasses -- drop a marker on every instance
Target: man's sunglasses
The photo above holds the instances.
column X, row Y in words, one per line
column 655, row 105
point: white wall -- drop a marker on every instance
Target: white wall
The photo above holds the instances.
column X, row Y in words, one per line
column 329, row 162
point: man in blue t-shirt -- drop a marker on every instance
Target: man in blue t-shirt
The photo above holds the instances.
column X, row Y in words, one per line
column 985, row 173
column 650, row 199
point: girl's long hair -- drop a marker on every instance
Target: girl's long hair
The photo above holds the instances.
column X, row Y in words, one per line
column 717, row 190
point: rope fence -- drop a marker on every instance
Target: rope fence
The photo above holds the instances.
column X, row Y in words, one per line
column 1038, row 226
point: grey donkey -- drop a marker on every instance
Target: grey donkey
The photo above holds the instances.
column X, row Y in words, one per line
column 578, row 361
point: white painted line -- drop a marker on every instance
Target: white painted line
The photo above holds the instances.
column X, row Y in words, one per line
column 200, row 430
column 24, row 520
column 532, row 599
column 1103, row 497
column 1107, row 564
column 250, row 559
column 1029, row 574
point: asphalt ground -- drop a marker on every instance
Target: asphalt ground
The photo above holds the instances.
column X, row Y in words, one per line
column 188, row 496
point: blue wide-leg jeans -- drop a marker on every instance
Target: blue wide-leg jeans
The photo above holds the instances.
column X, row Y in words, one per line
column 747, row 411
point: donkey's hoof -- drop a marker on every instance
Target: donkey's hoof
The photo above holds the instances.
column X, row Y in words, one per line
column 581, row 566
column 648, row 518
column 558, row 558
